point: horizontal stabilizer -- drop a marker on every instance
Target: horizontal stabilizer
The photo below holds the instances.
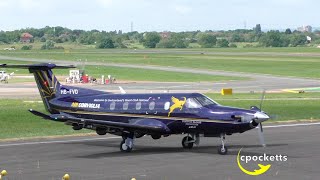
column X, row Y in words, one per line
column 37, row 113
column 53, row 117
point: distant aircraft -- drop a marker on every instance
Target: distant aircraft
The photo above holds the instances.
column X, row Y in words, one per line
column 135, row 115
column 4, row 76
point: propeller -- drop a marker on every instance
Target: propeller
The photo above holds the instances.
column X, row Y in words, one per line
column 260, row 131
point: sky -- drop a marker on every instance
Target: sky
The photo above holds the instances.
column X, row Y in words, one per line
column 158, row 15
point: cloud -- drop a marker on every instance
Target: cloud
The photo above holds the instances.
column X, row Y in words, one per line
column 105, row 3
column 29, row 4
column 183, row 9
column 4, row 4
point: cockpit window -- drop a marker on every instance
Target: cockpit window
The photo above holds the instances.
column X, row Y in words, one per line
column 192, row 103
column 205, row 101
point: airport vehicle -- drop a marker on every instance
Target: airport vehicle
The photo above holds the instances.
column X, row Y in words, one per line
column 135, row 115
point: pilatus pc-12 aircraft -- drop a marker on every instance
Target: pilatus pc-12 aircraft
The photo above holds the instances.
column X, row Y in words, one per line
column 135, row 115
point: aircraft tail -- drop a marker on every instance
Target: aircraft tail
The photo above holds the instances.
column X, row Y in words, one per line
column 47, row 83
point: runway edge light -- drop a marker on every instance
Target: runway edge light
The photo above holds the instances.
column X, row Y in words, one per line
column 66, row 177
column 3, row 173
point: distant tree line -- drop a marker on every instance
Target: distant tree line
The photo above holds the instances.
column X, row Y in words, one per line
column 117, row 39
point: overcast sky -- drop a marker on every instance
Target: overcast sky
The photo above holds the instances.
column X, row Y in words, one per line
column 158, row 15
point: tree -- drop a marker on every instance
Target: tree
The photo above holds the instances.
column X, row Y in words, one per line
column 119, row 43
column 106, row 43
column 298, row 39
column 166, row 43
column 178, row 40
column 43, row 39
column 151, row 40
column 288, row 31
column 48, row 45
column 272, row 39
column 207, row 40
column 233, row 45
column 222, row 43
column 237, row 38
column 3, row 37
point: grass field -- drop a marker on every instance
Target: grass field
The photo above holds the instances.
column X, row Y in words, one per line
column 279, row 61
column 17, row 122
column 132, row 74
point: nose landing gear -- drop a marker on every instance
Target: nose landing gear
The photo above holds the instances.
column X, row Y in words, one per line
column 223, row 150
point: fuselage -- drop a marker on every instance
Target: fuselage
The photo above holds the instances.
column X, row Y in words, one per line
column 179, row 112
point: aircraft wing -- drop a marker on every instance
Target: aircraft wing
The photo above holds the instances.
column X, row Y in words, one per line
column 146, row 125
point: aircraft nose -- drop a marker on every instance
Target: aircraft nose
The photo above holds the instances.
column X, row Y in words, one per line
column 260, row 117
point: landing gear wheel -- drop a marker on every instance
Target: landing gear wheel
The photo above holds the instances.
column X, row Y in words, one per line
column 186, row 144
column 124, row 147
column 223, row 150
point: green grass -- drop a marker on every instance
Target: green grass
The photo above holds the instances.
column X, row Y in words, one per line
column 17, row 122
column 279, row 61
column 154, row 75
column 133, row 74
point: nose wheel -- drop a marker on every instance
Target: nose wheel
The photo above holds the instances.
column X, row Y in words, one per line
column 223, row 150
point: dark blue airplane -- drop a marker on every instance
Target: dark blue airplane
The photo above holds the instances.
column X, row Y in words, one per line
column 135, row 115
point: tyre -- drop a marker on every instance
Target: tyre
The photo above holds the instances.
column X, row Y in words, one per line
column 124, row 147
column 222, row 151
column 186, row 144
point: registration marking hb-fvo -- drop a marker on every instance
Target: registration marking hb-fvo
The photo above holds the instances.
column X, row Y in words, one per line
column 70, row 91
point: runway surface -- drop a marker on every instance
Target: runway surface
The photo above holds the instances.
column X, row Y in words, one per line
column 257, row 82
column 99, row 157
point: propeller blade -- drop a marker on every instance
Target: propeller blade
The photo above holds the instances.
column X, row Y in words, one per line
column 262, row 99
column 261, row 136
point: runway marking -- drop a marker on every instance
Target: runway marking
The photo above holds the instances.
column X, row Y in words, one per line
column 53, row 142
column 291, row 125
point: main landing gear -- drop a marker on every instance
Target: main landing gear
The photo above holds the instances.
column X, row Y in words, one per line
column 189, row 141
column 127, row 143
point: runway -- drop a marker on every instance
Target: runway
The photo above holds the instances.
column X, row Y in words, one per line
column 98, row 157
column 256, row 83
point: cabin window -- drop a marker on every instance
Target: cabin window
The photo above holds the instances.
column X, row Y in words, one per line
column 138, row 106
column 112, row 105
column 125, row 105
column 192, row 103
column 167, row 106
column 152, row 105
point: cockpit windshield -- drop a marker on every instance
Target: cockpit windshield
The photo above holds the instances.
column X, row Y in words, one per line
column 199, row 101
column 205, row 101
